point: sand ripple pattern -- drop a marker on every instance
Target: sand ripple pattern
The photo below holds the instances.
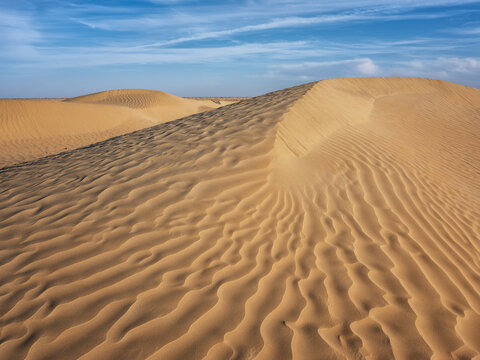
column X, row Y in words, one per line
column 333, row 220
column 34, row 128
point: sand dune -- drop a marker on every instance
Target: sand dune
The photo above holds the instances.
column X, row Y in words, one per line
column 30, row 129
column 333, row 220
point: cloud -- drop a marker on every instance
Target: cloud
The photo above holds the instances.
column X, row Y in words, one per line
column 275, row 24
column 314, row 70
column 288, row 22
column 111, row 55
column 297, row 40
column 19, row 35
column 445, row 66
column 458, row 69
column 471, row 31
column 129, row 24
column 181, row 22
column 368, row 68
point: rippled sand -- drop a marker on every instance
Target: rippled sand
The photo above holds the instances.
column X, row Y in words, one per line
column 34, row 128
column 337, row 219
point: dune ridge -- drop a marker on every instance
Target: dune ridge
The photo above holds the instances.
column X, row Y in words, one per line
column 132, row 98
column 333, row 220
column 33, row 128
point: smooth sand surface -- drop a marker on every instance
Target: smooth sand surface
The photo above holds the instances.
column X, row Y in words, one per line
column 33, row 128
column 333, row 220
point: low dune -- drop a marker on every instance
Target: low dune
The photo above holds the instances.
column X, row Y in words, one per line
column 333, row 220
column 30, row 129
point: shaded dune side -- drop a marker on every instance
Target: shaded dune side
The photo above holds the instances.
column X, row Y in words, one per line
column 30, row 129
column 237, row 234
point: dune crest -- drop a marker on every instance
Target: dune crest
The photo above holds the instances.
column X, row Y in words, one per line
column 332, row 220
column 30, row 128
column 132, row 98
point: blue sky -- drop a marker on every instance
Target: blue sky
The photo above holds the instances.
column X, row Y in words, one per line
column 62, row 48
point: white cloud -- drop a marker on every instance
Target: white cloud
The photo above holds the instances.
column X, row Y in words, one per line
column 149, row 31
column 181, row 22
column 275, row 24
column 471, row 31
column 444, row 65
column 457, row 69
column 368, row 67
column 108, row 55
column 18, row 35
column 315, row 70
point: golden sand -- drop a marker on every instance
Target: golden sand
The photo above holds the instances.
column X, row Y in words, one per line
column 333, row 220
column 31, row 128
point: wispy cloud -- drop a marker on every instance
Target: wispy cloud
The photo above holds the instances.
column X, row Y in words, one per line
column 315, row 70
column 110, row 55
column 275, row 24
column 468, row 31
column 184, row 21
column 286, row 39
column 283, row 53
column 18, row 35
column 448, row 68
column 442, row 66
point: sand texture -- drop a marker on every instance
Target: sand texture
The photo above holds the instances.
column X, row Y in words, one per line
column 30, row 129
column 333, row 220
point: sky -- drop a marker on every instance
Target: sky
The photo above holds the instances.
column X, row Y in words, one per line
column 64, row 48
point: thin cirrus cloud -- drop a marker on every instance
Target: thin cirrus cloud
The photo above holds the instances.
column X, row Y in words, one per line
column 274, row 20
column 284, row 41
column 111, row 55
column 276, row 52
column 468, row 31
column 365, row 66
column 296, row 22
column 448, row 68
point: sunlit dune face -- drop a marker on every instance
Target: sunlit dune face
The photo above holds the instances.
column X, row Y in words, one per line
column 332, row 220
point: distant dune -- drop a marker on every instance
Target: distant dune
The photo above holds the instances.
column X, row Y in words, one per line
column 33, row 128
column 333, row 220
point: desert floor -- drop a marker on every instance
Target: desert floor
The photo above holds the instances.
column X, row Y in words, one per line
column 333, row 220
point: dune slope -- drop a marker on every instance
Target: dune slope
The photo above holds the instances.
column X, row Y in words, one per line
column 30, row 128
column 333, row 220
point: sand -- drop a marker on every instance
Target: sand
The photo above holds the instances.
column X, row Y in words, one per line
column 333, row 220
column 33, row 128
